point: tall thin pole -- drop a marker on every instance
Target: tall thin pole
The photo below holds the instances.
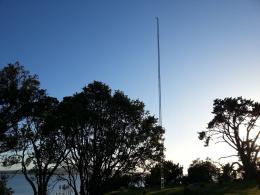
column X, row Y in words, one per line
column 159, row 92
column 159, row 71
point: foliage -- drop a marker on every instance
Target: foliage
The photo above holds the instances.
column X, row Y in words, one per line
column 17, row 89
column 29, row 136
column 235, row 123
column 124, row 181
column 172, row 174
column 96, row 135
column 228, row 173
column 4, row 190
column 109, row 135
column 203, row 171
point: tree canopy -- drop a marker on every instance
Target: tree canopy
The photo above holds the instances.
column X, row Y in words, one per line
column 235, row 123
column 203, row 171
column 18, row 90
column 96, row 134
column 28, row 137
column 172, row 174
column 110, row 134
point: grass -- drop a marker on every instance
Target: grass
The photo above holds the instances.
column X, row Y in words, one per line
column 248, row 188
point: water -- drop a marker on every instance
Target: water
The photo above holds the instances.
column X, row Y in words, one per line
column 22, row 187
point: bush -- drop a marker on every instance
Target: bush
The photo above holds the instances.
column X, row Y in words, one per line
column 203, row 171
column 228, row 173
column 172, row 174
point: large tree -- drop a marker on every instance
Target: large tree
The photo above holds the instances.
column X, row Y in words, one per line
column 110, row 134
column 235, row 123
column 29, row 136
column 17, row 89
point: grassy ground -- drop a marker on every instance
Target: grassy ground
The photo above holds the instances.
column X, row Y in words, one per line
column 207, row 189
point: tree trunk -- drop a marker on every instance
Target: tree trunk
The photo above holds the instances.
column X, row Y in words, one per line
column 249, row 167
column 82, row 191
column 96, row 187
column 250, row 171
column 84, row 186
column 42, row 189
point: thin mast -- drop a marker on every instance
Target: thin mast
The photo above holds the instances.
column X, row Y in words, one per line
column 159, row 71
column 159, row 92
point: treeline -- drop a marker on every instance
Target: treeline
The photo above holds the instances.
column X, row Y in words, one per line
column 198, row 172
column 95, row 135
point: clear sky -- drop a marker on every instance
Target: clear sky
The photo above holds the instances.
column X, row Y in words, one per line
column 209, row 49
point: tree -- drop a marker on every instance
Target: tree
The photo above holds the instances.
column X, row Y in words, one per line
column 109, row 135
column 235, row 123
column 172, row 174
column 227, row 173
column 203, row 171
column 17, row 89
column 4, row 190
column 29, row 134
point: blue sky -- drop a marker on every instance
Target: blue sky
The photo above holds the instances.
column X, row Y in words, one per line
column 209, row 49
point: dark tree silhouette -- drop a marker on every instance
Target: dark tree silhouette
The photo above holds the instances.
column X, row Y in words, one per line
column 110, row 135
column 235, row 123
column 228, row 173
column 29, row 136
column 4, row 189
column 203, row 171
column 172, row 174
column 17, row 89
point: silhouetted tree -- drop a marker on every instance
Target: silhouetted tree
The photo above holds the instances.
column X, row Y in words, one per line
column 203, row 171
column 227, row 173
column 17, row 90
column 4, row 190
column 119, row 181
column 172, row 174
column 110, row 135
column 29, row 136
column 235, row 123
